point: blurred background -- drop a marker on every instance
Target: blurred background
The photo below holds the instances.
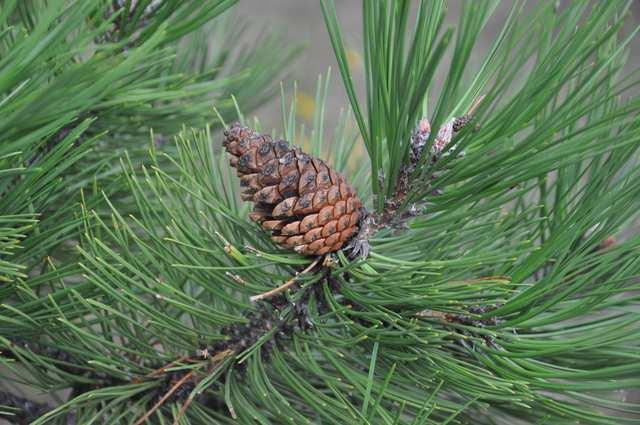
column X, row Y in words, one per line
column 302, row 23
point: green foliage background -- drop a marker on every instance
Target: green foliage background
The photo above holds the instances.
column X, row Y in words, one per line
column 159, row 260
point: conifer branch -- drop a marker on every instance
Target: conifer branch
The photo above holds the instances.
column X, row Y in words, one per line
column 139, row 299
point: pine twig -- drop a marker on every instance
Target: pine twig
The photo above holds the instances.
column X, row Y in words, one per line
column 164, row 398
column 164, row 368
column 214, row 360
column 183, row 409
column 286, row 285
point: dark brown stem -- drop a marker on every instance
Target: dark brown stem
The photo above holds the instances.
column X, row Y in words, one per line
column 164, row 398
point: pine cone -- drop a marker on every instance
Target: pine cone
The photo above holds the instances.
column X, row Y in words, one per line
column 306, row 204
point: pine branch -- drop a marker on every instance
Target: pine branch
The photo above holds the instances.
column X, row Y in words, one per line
column 75, row 95
column 496, row 301
column 114, row 100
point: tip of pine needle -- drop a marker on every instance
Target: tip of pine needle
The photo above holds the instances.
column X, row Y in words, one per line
column 219, row 115
column 475, row 105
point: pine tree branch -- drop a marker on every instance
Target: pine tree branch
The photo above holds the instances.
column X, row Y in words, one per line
column 409, row 334
column 244, row 338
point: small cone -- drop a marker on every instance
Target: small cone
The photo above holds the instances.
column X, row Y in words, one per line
column 306, row 205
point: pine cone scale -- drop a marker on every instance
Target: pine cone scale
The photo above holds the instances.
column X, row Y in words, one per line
column 273, row 224
column 333, row 239
column 302, row 201
column 250, row 181
column 291, row 229
column 340, row 209
column 325, row 215
column 285, row 208
column 309, row 222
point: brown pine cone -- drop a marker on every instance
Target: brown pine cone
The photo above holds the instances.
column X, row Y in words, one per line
column 306, row 204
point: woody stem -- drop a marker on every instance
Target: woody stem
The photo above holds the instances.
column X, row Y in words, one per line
column 285, row 285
